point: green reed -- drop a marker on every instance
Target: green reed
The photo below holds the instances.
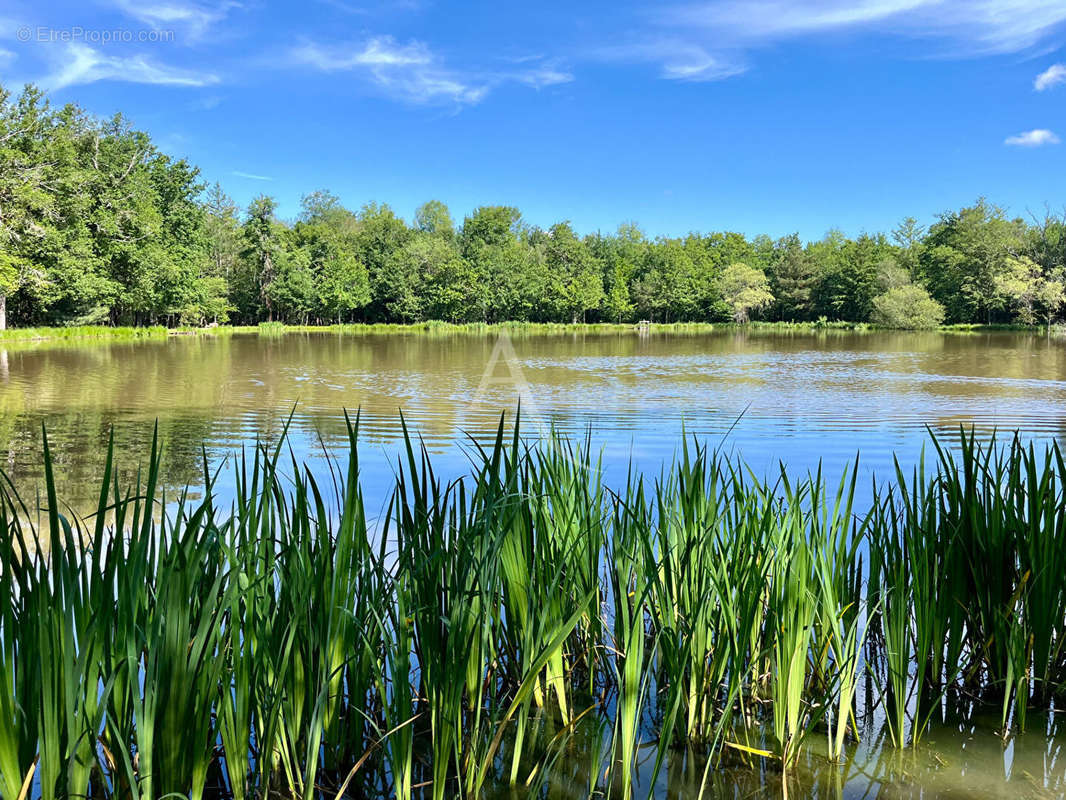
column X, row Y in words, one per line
column 793, row 612
column 285, row 646
column 842, row 619
column 82, row 332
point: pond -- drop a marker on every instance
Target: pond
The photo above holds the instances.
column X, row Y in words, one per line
column 800, row 398
column 952, row 762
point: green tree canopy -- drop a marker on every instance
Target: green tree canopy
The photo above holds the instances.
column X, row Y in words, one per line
column 434, row 217
column 97, row 225
column 907, row 307
column 964, row 257
column 745, row 289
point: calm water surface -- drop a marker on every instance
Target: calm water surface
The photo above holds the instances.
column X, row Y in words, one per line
column 769, row 397
column 967, row 762
column 798, row 398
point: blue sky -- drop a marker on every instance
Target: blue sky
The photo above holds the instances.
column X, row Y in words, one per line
column 761, row 116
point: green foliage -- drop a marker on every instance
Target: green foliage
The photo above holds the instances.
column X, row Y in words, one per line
column 262, row 239
column 489, row 226
column 744, row 289
column 616, row 304
column 100, row 227
column 427, row 279
column 434, row 217
column 848, row 274
column 671, row 286
column 297, row 648
column 576, row 282
column 792, row 280
column 380, row 234
column 964, row 257
column 907, row 307
column 340, row 284
column 1031, row 292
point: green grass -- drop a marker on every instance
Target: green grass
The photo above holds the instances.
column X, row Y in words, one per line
column 104, row 333
column 286, row 646
column 82, row 332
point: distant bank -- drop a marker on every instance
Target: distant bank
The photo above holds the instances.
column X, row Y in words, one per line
column 88, row 332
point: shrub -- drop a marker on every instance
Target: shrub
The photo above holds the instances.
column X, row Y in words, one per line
column 744, row 289
column 907, row 307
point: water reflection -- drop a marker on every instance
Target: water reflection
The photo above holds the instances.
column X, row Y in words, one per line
column 800, row 397
column 797, row 397
column 952, row 763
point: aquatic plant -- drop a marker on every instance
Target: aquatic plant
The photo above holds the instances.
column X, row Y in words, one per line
column 286, row 646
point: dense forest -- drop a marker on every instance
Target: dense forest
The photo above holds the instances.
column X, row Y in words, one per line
column 98, row 226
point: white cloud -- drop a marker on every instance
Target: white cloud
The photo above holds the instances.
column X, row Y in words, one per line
column 677, row 59
column 968, row 27
column 412, row 73
column 1052, row 76
column 709, row 39
column 194, row 19
column 6, row 57
column 251, row 176
column 540, row 77
column 533, row 69
column 381, row 51
column 408, row 72
column 770, row 19
column 1033, row 138
column 81, row 64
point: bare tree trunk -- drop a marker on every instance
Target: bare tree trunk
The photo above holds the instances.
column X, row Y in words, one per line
column 3, row 312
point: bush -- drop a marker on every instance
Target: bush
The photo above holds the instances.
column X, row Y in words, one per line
column 907, row 307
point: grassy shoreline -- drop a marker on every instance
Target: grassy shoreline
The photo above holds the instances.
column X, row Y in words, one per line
column 158, row 332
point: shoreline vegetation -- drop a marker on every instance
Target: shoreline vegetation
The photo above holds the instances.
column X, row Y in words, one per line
column 131, row 333
column 489, row 631
column 101, row 227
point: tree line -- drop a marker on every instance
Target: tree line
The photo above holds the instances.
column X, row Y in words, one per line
column 98, row 226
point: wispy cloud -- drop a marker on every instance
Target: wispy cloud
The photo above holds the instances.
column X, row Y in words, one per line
column 542, row 76
column 251, row 176
column 412, row 73
column 409, row 72
column 1052, row 76
column 1034, row 138
column 6, row 57
column 710, row 39
column 193, row 19
column 968, row 26
column 80, row 64
column 677, row 59
column 753, row 20
column 532, row 69
column 381, row 51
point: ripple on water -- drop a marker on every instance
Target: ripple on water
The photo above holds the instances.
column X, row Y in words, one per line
column 797, row 399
